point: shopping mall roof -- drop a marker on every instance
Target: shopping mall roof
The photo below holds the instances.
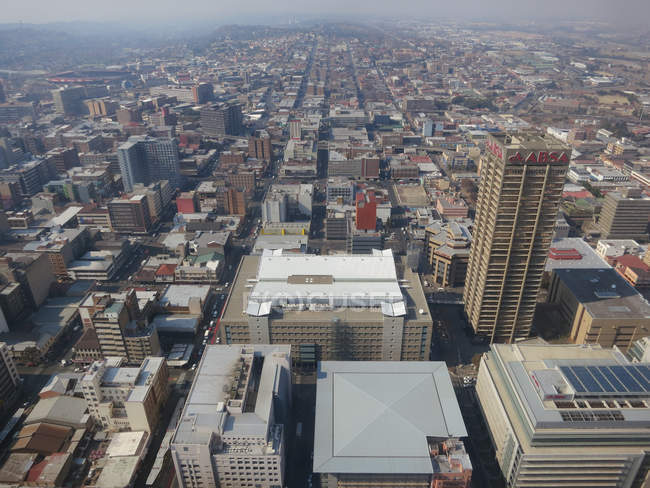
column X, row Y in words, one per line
column 338, row 281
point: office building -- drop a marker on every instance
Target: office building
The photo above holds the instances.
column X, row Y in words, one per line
column 522, row 177
column 599, row 307
column 159, row 195
column 362, row 241
column 9, row 378
column 130, row 214
column 344, row 307
column 69, row 101
column 388, row 424
column 566, row 415
column 121, row 323
column 16, row 111
column 202, row 93
column 101, row 107
column 221, row 119
column 287, row 202
column 242, row 180
column 232, row 430
column 259, row 146
column 123, row 398
column 625, row 215
column 447, row 250
column 340, row 191
column 61, row 246
column 63, row 158
column 26, row 179
column 32, row 271
column 145, row 159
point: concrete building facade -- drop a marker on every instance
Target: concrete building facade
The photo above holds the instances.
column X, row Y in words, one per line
column 232, row 430
column 343, row 306
column 566, row 415
column 121, row 398
column 522, row 177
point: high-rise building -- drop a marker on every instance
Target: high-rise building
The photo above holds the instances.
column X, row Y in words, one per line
column 625, row 215
column 69, row 101
column 232, row 432
column 259, row 146
column 130, row 214
column 356, row 307
column 202, row 93
column 566, row 415
column 386, row 424
column 221, row 119
column 9, row 378
column 121, row 398
column 3, row 94
column 145, row 159
column 522, row 177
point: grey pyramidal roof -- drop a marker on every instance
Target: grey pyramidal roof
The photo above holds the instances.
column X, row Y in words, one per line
column 375, row 416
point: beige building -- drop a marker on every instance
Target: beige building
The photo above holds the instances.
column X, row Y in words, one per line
column 121, row 323
column 231, row 433
column 600, row 307
column 447, row 247
column 121, row 398
column 522, row 177
column 566, row 415
column 365, row 307
column 625, row 215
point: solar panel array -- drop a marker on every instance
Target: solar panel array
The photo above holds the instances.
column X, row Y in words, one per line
column 609, row 380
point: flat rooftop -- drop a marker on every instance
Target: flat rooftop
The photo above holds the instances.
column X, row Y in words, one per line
column 604, row 293
column 406, row 283
column 285, row 279
column 573, row 253
column 567, row 389
column 205, row 410
column 377, row 416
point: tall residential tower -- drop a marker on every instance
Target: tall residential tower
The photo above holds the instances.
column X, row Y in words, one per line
column 521, row 184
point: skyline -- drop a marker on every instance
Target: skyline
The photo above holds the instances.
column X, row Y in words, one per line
column 42, row 12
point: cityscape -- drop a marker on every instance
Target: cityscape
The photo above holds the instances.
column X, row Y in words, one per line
column 354, row 250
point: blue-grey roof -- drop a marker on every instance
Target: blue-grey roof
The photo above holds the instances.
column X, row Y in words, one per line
column 375, row 416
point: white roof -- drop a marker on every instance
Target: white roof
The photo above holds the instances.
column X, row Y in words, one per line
column 337, row 281
column 375, row 416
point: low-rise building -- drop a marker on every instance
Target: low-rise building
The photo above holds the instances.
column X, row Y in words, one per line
column 447, row 248
column 600, row 307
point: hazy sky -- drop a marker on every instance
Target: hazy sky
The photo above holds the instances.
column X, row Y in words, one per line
column 43, row 11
